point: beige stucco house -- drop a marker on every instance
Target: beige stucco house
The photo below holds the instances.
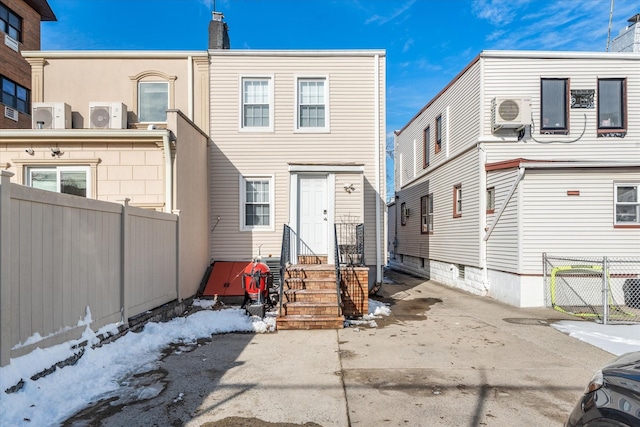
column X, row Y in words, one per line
column 298, row 140
column 116, row 125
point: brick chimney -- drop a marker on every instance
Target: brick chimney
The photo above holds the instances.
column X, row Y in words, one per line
column 218, row 32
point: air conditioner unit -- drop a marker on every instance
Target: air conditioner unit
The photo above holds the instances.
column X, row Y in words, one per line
column 107, row 115
column 50, row 115
column 510, row 113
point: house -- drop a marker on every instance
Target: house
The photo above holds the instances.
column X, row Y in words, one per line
column 523, row 153
column 298, row 140
column 20, row 31
column 117, row 125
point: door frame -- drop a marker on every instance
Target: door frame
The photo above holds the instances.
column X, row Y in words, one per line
column 294, row 212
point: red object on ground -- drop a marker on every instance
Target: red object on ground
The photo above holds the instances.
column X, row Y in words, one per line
column 225, row 279
column 254, row 280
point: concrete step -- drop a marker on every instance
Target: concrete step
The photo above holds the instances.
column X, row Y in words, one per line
column 309, row 322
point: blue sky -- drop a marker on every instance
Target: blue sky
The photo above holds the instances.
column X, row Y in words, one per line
column 427, row 41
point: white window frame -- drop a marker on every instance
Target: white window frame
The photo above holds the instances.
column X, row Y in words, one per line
column 58, row 170
column 140, row 83
column 327, row 116
column 270, row 81
column 636, row 204
column 243, row 192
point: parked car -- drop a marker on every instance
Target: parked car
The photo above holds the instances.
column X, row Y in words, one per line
column 612, row 397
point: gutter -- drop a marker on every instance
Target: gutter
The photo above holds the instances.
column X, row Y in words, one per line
column 168, row 182
column 377, row 165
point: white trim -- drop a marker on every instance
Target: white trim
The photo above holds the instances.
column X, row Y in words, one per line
column 271, row 83
column 534, row 54
column 327, row 168
column 616, row 184
column 288, row 53
column 146, row 54
column 331, row 217
column 242, row 186
column 327, row 110
column 379, row 199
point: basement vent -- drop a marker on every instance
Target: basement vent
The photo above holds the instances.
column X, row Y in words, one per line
column 461, row 272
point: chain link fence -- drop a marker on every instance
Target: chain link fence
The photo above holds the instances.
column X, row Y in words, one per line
column 602, row 289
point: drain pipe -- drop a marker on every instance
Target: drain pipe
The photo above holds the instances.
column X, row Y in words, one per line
column 168, row 172
column 506, row 201
column 377, row 140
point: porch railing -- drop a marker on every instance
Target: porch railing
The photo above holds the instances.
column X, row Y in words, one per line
column 337, row 265
column 350, row 243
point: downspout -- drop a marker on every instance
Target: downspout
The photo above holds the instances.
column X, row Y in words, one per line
column 521, row 170
column 190, row 85
column 377, row 163
column 483, row 214
column 168, row 172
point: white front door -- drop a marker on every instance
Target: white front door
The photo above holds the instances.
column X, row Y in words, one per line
column 313, row 217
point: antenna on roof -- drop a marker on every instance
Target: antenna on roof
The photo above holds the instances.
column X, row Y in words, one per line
column 608, row 31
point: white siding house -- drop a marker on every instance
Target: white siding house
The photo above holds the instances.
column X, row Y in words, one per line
column 527, row 153
column 298, row 139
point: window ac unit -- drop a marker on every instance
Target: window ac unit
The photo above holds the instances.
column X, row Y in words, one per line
column 510, row 113
column 107, row 115
column 50, row 115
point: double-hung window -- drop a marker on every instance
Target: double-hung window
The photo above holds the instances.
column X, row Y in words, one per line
column 457, row 200
column 555, row 106
column 612, row 115
column 14, row 95
column 627, row 204
column 10, row 23
column 62, row 179
column 153, row 102
column 426, row 214
column 257, row 110
column 425, row 147
column 438, row 145
column 312, row 104
column 256, row 202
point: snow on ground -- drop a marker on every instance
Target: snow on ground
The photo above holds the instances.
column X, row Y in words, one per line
column 99, row 372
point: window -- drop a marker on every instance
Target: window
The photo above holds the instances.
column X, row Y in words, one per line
column 457, row 201
column 62, row 179
column 555, row 100
column 627, row 204
column 10, row 23
column 425, row 147
column 426, row 214
column 256, row 203
column 153, row 102
column 438, row 145
column 312, row 100
column 15, row 95
column 404, row 213
column 491, row 199
column 256, row 100
column 611, row 104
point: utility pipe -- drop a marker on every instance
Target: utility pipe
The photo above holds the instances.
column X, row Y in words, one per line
column 168, row 172
column 377, row 163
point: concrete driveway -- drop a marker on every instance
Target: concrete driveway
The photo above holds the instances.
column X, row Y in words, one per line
column 443, row 358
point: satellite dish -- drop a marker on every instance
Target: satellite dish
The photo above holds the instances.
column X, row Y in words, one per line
column 100, row 117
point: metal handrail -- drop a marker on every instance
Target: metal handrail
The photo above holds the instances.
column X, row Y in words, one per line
column 285, row 259
column 350, row 243
column 337, row 264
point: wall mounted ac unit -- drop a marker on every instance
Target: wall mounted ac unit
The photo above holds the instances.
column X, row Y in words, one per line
column 50, row 115
column 107, row 115
column 510, row 113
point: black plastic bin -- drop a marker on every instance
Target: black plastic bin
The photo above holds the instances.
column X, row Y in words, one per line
column 631, row 290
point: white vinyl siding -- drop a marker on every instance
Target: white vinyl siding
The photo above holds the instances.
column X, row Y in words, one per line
column 559, row 224
column 503, row 244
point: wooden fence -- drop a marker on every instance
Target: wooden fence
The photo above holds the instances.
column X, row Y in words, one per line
column 68, row 262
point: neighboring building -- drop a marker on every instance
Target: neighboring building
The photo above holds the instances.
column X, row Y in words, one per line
column 116, row 125
column 629, row 38
column 523, row 153
column 298, row 139
column 20, row 31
